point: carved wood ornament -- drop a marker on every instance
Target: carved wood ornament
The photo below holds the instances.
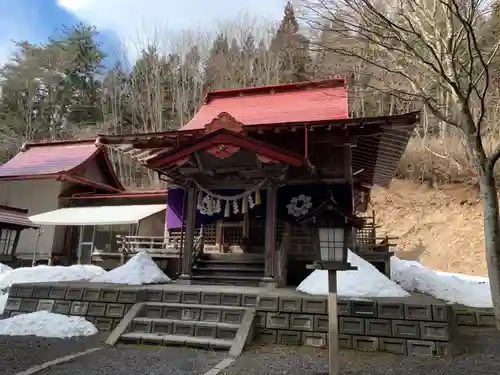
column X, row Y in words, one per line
column 223, row 121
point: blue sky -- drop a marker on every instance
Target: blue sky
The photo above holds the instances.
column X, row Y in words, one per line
column 124, row 22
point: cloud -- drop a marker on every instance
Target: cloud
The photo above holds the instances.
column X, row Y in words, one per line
column 134, row 21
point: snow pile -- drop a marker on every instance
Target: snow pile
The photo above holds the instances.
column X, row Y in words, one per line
column 3, row 302
column 366, row 281
column 140, row 269
column 4, row 268
column 466, row 290
column 40, row 274
column 45, row 324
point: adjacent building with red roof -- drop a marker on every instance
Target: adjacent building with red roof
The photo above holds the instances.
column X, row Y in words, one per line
column 41, row 173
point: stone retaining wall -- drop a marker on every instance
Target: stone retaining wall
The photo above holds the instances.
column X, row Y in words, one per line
column 474, row 317
column 104, row 307
column 401, row 328
column 406, row 326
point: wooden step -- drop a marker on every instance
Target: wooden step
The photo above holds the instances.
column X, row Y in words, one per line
column 253, row 262
column 217, row 268
column 245, row 257
column 226, row 280
column 140, row 338
column 225, row 273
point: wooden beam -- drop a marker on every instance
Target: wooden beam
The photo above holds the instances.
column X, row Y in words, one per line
column 198, row 161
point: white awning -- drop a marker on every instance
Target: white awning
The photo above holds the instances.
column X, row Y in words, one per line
column 103, row 215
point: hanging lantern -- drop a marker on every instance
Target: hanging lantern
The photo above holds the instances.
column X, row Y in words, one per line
column 257, row 197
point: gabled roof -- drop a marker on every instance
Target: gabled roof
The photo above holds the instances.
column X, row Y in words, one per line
column 16, row 216
column 279, row 104
column 226, row 137
column 56, row 160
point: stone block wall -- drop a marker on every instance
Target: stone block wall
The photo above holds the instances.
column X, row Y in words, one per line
column 102, row 306
column 400, row 328
column 405, row 327
column 474, row 317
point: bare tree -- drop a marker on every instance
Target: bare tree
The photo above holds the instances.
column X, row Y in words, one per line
column 165, row 89
column 435, row 54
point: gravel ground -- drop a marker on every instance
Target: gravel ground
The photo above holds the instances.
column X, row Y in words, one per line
column 22, row 352
column 143, row 360
column 481, row 358
column 19, row 353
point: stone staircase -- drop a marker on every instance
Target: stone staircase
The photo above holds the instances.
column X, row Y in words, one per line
column 216, row 327
column 229, row 269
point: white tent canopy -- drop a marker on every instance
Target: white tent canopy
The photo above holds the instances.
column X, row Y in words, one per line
column 103, row 215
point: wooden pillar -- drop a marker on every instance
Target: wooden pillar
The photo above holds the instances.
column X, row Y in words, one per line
column 281, row 273
column 333, row 329
column 348, row 174
column 270, row 232
column 187, row 256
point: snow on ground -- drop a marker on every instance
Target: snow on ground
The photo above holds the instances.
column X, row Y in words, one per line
column 477, row 279
column 406, row 276
column 45, row 324
column 40, row 274
column 466, row 290
column 366, row 281
column 44, row 273
column 140, row 269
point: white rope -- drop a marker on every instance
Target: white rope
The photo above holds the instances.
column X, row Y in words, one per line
column 233, row 197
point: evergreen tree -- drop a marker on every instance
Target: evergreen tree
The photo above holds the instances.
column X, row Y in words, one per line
column 291, row 48
column 217, row 64
column 52, row 90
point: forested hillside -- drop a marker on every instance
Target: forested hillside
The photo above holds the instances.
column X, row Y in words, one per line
column 61, row 89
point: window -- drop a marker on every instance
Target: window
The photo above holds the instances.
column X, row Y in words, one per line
column 103, row 237
column 7, row 241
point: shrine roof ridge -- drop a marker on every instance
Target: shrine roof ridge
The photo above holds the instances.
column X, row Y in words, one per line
column 271, row 89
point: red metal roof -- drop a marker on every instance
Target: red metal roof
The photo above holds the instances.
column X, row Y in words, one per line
column 50, row 158
column 298, row 102
column 15, row 216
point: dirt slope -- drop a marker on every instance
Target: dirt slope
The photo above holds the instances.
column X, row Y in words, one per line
column 443, row 227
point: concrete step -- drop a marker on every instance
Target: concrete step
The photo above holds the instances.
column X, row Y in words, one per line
column 206, row 326
column 215, row 330
column 193, row 312
column 139, row 338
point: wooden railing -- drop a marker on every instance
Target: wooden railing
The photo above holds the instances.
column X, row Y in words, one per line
column 367, row 240
column 154, row 245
